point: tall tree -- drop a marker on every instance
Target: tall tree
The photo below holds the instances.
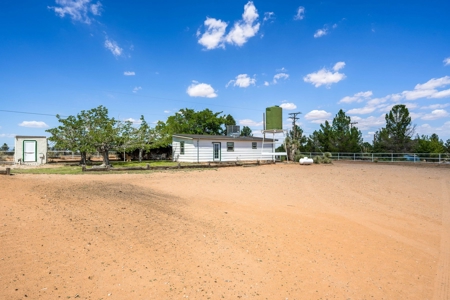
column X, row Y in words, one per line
column 143, row 137
column 432, row 144
column 397, row 135
column 5, row 147
column 102, row 130
column 447, row 146
column 72, row 135
column 229, row 120
column 246, row 131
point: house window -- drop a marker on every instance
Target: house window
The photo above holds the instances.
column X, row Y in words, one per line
column 182, row 147
column 253, row 145
column 230, row 146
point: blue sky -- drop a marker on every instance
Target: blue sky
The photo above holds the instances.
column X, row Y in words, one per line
column 156, row 57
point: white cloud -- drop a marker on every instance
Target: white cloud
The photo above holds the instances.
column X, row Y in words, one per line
column 77, row 10
column 358, row 97
column 136, row 89
column 318, row 116
column 320, row 32
column 250, row 123
column 246, row 28
column 436, row 114
column 7, row 135
column 134, row 121
column 129, row 73
column 268, row 16
column 280, row 76
column 167, row 111
column 326, row 77
column 417, row 94
column 339, row 65
column 447, row 61
column 427, row 129
column 242, row 80
column 214, row 35
column 441, row 94
column 201, row 90
column 266, row 83
column 33, row 124
column 288, row 106
column 300, row 13
column 433, row 83
column 369, row 122
column 113, row 47
column 436, row 106
column 362, row 110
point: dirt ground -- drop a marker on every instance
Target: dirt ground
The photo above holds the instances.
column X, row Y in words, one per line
column 342, row 231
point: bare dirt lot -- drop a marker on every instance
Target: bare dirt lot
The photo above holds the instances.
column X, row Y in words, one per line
column 272, row 232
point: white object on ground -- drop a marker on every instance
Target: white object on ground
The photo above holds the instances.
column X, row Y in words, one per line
column 306, row 161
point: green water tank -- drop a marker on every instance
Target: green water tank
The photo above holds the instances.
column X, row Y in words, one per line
column 274, row 118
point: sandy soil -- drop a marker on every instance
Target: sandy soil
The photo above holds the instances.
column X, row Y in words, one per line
column 271, row 232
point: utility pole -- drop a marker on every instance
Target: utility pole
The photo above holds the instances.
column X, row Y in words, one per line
column 294, row 118
column 352, row 123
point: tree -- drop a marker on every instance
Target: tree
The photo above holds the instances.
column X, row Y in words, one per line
column 447, row 146
column 5, row 147
column 397, row 135
column 295, row 141
column 72, row 135
column 339, row 136
column 229, row 120
column 246, row 131
column 143, row 137
column 102, row 131
column 432, row 144
column 188, row 121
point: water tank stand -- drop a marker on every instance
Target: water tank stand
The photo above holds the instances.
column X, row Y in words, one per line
column 272, row 152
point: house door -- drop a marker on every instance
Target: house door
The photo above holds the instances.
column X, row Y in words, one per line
column 29, row 151
column 216, row 152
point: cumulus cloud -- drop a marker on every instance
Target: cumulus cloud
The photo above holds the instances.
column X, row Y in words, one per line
column 250, row 123
column 197, row 89
column 326, row 77
column 429, row 89
column 215, row 33
column 433, row 83
column 136, row 89
column 362, row 110
column 266, row 83
column 358, row 97
column 33, row 124
column 447, row 61
column 369, row 122
column 436, row 114
column 280, row 76
column 167, row 111
column 427, row 129
column 113, row 47
column 129, row 73
column 78, row 10
column 320, row 32
column 242, row 81
column 7, row 135
column 318, row 116
column 436, row 106
column 288, row 105
column 300, row 13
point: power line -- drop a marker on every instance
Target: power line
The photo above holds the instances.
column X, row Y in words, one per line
column 29, row 113
column 294, row 118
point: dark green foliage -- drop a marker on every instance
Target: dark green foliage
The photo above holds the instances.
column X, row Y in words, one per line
column 246, row 131
column 5, row 147
column 432, row 144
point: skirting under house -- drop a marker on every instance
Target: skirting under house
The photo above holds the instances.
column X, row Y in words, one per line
column 210, row 148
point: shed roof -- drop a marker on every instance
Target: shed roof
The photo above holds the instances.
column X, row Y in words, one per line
column 30, row 136
column 220, row 137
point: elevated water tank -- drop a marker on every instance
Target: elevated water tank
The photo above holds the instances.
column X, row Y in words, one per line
column 274, row 118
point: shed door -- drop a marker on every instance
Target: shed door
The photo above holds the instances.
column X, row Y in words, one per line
column 29, row 151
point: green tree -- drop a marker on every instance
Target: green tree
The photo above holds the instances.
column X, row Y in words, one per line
column 5, row 147
column 246, row 131
column 102, row 131
column 432, row 144
column 447, row 146
column 72, row 135
column 340, row 135
column 188, row 121
column 229, row 120
column 143, row 137
column 397, row 135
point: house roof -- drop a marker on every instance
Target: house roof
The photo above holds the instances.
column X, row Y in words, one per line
column 30, row 136
column 220, row 137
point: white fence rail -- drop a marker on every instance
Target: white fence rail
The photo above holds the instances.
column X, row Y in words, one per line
column 386, row 157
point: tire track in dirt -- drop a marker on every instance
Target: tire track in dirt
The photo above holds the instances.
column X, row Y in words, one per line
column 442, row 282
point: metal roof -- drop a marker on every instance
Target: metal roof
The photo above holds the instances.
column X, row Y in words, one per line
column 220, row 137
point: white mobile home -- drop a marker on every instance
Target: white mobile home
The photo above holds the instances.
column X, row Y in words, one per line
column 30, row 150
column 210, row 148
